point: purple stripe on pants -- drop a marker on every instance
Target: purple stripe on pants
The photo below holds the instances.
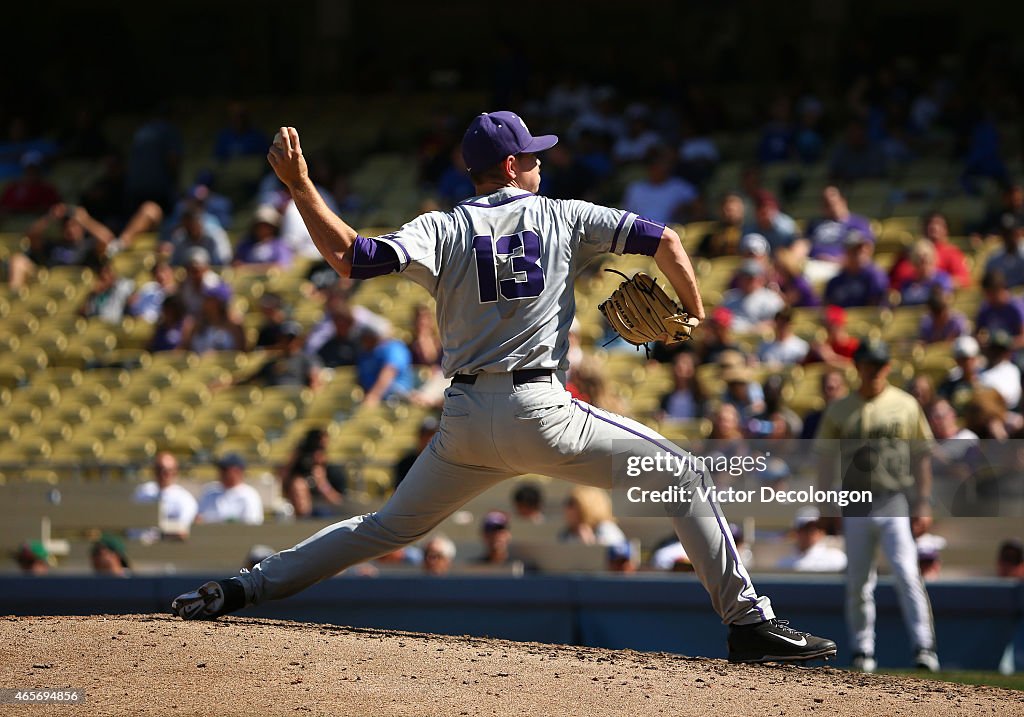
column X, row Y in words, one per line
column 722, row 526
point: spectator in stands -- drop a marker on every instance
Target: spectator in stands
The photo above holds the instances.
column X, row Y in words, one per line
column 147, row 300
column 308, row 479
column 685, row 400
column 1002, row 373
column 256, row 555
column 275, row 314
column 528, row 501
column 288, row 365
column 926, row 278
column 109, row 557
column 856, row 156
column 838, row 348
column 948, row 256
column 786, row 348
column 1010, row 211
column 81, row 241
column 1000, row 311
column 239, row 138
column 986, row 415
column 337, row 306
column 810, row 145
column 812, row 553
column 169, row 328
column 777, row 135
column 717, row 335
column 621, row 558
column 587, row 382
column 660, row 197
column 425, row 344
column 154, row 160
column 214, row 328
column 383, row 364
column 942, row 322
column 495, row 532
column 920, row 387
column 108, row 298
column 724, row 238
column 30, row 193
column 929, row 555
column 293, row 228
column 962, row 380
column 177, row 507
column 438, row 555
column 770, row 222
column 860, row 282
column 454, row 184
column 231, row 499
column 588, row 518
column 1009, row 258
column 428, row 427
column 263, row 248
column 104, row 197
column 698, row 154
column 565, row 175
column 742, row 391
column 193, row 233
column 756, row 248
column 942, row 420
column 775, row 420
column 725, row 423
column 828, row 233
column 787, row 272
column 32, row 557
column 1010, row 559
column 638, row 140
column 833, row 387
column 751, row 303
column 213, row 212
column 341, row 349
column 984, row 156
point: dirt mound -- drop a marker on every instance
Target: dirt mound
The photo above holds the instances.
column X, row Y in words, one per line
column 155, row 665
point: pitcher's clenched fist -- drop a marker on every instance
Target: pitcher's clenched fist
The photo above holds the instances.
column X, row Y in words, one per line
column 285, row 156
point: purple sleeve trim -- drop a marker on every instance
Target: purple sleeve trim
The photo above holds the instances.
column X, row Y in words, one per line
column 618, row 229
column 372, row 258
column 643, row 237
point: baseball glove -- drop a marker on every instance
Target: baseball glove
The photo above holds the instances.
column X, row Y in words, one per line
column 640, row 311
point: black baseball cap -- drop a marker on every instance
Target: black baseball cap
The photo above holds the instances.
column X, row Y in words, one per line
column 493, row 136
column 872, row 351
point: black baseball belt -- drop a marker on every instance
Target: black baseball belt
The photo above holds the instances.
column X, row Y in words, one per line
column 526, row 375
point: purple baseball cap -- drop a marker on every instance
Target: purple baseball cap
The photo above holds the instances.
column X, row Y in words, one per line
column 492, row 136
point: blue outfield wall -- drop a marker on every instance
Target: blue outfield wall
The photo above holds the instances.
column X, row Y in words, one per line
column 975, row 621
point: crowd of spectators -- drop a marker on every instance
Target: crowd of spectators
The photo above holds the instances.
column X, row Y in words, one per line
column 647, row 155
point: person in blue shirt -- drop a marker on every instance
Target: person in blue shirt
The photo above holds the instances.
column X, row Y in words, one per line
column 383, row 365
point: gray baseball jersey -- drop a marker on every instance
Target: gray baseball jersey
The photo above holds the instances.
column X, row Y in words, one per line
column 502, row 267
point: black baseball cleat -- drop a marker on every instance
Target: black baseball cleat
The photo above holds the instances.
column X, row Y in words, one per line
column 775, row 641
column 210, row 600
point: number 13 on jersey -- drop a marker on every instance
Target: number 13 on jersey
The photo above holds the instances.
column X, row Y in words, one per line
column 522, row 251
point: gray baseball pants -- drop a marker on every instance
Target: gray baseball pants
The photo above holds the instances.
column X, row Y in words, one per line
column 493, row 430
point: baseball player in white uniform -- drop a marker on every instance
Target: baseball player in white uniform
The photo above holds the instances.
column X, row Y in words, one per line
column 501, row 266
column 890, row 426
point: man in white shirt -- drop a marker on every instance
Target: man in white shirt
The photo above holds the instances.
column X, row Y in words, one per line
column 812, row 553
column 231, row 499
column 751, row 303
column 1002, row 374
column 660, row 197
column 177, row 507
column 787, row 348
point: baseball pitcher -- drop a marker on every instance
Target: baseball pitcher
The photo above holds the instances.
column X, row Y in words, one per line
column 501, row 266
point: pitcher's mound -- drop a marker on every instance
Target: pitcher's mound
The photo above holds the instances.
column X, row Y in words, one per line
column 156, row 665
